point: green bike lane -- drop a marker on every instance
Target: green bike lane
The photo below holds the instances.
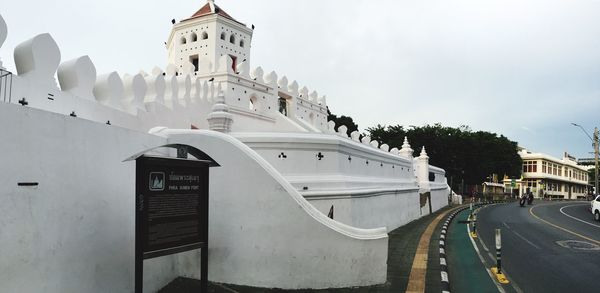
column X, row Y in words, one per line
column 466, row 272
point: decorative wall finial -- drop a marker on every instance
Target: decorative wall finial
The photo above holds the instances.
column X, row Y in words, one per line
column 405, row 144
column 220, row 119
column 423, row 153
column 406, row 151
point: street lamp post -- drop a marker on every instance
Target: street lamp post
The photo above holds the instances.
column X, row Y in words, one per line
column 595, row 143
column 596, row 160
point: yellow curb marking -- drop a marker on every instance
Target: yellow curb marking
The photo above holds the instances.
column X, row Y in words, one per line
column 416, row 280
column 500, row 276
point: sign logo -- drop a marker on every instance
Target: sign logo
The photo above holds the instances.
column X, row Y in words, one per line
column 157, row 181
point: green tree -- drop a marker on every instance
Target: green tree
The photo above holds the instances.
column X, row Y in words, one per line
column 342, row 120
column 464, row 154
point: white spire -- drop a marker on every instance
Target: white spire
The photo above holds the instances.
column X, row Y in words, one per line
column 423, row 153
column 220, row 119
column 405, row 144
column 406, row 151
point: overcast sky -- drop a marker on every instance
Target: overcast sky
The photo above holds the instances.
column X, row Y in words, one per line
column 522, row 68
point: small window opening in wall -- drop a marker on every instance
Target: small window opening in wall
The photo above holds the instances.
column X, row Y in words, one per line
column 194, row 37
column 233, row 63
column 431, row 176
column 223, row 36
column 232, row 39
column 283, row 106
column 242, row 43
column 183, row 41
column 204, row 35
column 194, row 61
column 252, row 105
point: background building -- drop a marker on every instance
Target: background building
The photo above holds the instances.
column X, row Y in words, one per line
column 548, row 176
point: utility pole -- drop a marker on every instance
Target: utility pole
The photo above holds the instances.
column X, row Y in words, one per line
column 595, row 144
column 596, row 160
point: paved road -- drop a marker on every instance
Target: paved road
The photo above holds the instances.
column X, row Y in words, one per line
column 547, row 247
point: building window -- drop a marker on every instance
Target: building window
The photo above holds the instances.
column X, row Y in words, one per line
column 283, row 106
column 204, row 35
column 233, row 63
column 544, row 167
column 183, row 40
column 194, row 37
column 223, row 36
column 560, row 171
column 529, row 166
column 232, row 39
column 252, row 105
column 242, row 43
column 194, row 61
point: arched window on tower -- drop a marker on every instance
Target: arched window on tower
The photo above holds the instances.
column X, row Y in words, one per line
column 242, row 43
column 183, row 40
column 223, row 36
column 204, row 35
column 194, row 37
column 232, row 39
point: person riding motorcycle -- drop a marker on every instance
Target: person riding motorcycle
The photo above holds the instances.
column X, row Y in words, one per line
column 526, row 197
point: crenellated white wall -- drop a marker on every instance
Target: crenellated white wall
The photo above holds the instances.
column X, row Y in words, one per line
column 63, row 139
column 172, row 98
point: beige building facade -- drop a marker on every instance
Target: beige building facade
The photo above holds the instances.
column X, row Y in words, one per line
column 547, row 176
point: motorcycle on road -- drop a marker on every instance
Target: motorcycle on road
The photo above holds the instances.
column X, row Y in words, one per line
column 527, row 197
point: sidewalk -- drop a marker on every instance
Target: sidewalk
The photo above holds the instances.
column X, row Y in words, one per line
column 467, row 273
column 403, row 243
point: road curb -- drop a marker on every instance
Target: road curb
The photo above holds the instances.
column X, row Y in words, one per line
column 443, row 262
column 443, row 233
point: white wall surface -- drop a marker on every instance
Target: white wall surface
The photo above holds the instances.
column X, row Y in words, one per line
column 75, row 231
column 269, row 235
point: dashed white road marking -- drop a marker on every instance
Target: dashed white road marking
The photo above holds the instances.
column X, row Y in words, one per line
column 524, row 239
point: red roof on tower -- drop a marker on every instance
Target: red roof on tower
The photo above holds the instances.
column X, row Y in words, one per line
column 208, row 8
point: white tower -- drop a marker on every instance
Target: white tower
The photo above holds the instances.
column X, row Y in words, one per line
column 206, row 36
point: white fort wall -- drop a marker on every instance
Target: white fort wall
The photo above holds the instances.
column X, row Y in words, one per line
column 368, row 188
column 75, row 231
column 67, row 233
column 264, row 233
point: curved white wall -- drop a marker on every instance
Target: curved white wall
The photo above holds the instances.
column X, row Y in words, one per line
column 270, row 236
